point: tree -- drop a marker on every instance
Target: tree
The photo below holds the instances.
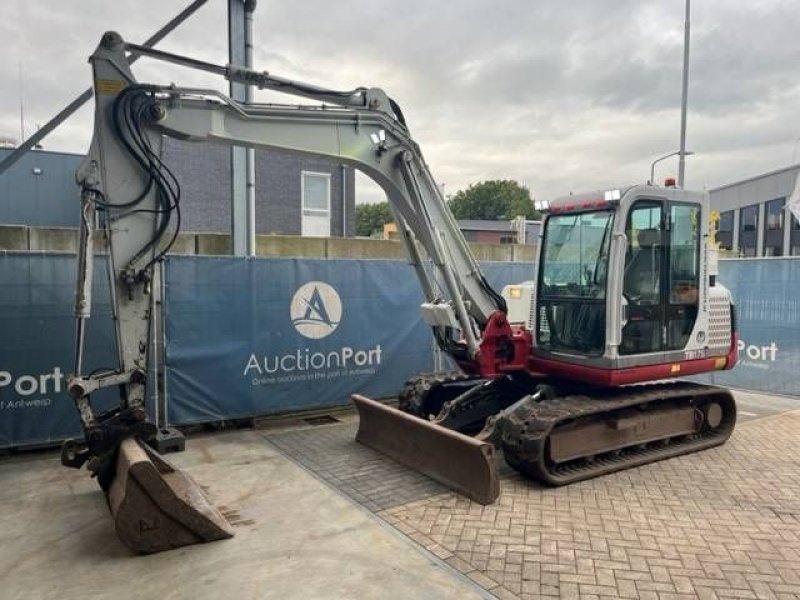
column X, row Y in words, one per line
column 371, row 218
column 493, row 200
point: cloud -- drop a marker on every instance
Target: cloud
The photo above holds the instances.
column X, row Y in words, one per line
column 561, row 96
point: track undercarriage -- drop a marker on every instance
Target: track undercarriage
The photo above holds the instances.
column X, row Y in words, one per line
column 569, row 438
column 552, row 432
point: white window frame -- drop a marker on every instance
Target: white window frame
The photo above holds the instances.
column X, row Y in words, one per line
column 309, row 215
column 314, row 211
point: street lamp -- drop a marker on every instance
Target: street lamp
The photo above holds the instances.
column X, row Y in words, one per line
column 658, row 160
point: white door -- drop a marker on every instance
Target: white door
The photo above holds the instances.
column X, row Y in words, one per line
column 316, row 199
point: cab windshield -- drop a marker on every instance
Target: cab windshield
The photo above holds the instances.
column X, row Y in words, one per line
column 575, row 257
column 572, row 282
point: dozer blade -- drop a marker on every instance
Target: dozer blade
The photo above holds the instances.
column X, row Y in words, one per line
column 158, row 507
column 456, row 460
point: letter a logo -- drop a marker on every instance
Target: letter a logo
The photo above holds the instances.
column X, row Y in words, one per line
column 316, row 310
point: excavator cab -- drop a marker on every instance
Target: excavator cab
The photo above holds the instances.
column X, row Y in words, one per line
column 624, row 292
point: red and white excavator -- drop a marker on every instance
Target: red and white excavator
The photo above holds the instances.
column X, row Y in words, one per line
column 564, row 373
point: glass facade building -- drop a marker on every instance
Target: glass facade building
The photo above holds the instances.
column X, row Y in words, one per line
column 754, row 216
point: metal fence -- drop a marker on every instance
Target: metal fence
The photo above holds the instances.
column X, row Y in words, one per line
column 248, row 337
column 37, row 329
column 245, row 337
column 767, row 296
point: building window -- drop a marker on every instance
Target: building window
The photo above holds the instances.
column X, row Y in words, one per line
column 774, row 214
column 748, row 230
column 725, row 230
column 316, row 200
column 794, row 241
column 773, row 227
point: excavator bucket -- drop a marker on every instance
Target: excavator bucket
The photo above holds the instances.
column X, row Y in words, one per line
column 158, row 507
column 458, row 461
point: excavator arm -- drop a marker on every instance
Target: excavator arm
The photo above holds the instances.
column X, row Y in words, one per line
column 130, row 197
column 124, row 176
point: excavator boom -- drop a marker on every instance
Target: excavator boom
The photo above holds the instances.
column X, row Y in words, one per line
column 127, row 188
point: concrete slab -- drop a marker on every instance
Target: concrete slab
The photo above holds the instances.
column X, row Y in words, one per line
column 494, row 252
column 525, row 253
column 185, row 243
column 364, row 248
column 215, row 244
column 13, row 237
column 295, row 536
column 291, row 246
column 53, row 239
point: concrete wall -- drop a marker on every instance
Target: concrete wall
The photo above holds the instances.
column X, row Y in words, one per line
column 488, row 237
column 52, row 239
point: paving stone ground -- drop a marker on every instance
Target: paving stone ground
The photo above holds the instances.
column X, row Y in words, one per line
column 723, row 523
column 364, row 475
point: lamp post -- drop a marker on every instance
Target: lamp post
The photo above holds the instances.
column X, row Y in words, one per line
column 658, row 160
column 684, row 98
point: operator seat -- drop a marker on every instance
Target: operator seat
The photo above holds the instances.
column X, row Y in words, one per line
column 643, row 273
column 642, row 289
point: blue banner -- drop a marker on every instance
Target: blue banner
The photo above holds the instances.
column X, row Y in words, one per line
column 262, row 336
column 767, row 297
column 36, row 299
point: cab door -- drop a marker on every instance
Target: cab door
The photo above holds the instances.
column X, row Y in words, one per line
column 661, row 276
column 683, row 274
column 643, row 279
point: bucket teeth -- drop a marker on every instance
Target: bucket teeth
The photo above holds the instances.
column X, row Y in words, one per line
column 158, row 507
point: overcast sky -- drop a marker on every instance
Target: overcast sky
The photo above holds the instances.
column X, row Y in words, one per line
column 561, row 96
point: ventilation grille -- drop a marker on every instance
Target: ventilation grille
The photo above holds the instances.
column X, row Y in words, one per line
column 719, row 324
column 544, row 325
column 531, row 324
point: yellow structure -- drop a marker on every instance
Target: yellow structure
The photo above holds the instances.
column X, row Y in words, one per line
column 390, row 231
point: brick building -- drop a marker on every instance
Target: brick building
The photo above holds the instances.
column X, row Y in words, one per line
column 295, row 195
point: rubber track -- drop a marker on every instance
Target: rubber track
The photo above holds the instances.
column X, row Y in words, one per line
column 417, row 390
column 525, row 433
